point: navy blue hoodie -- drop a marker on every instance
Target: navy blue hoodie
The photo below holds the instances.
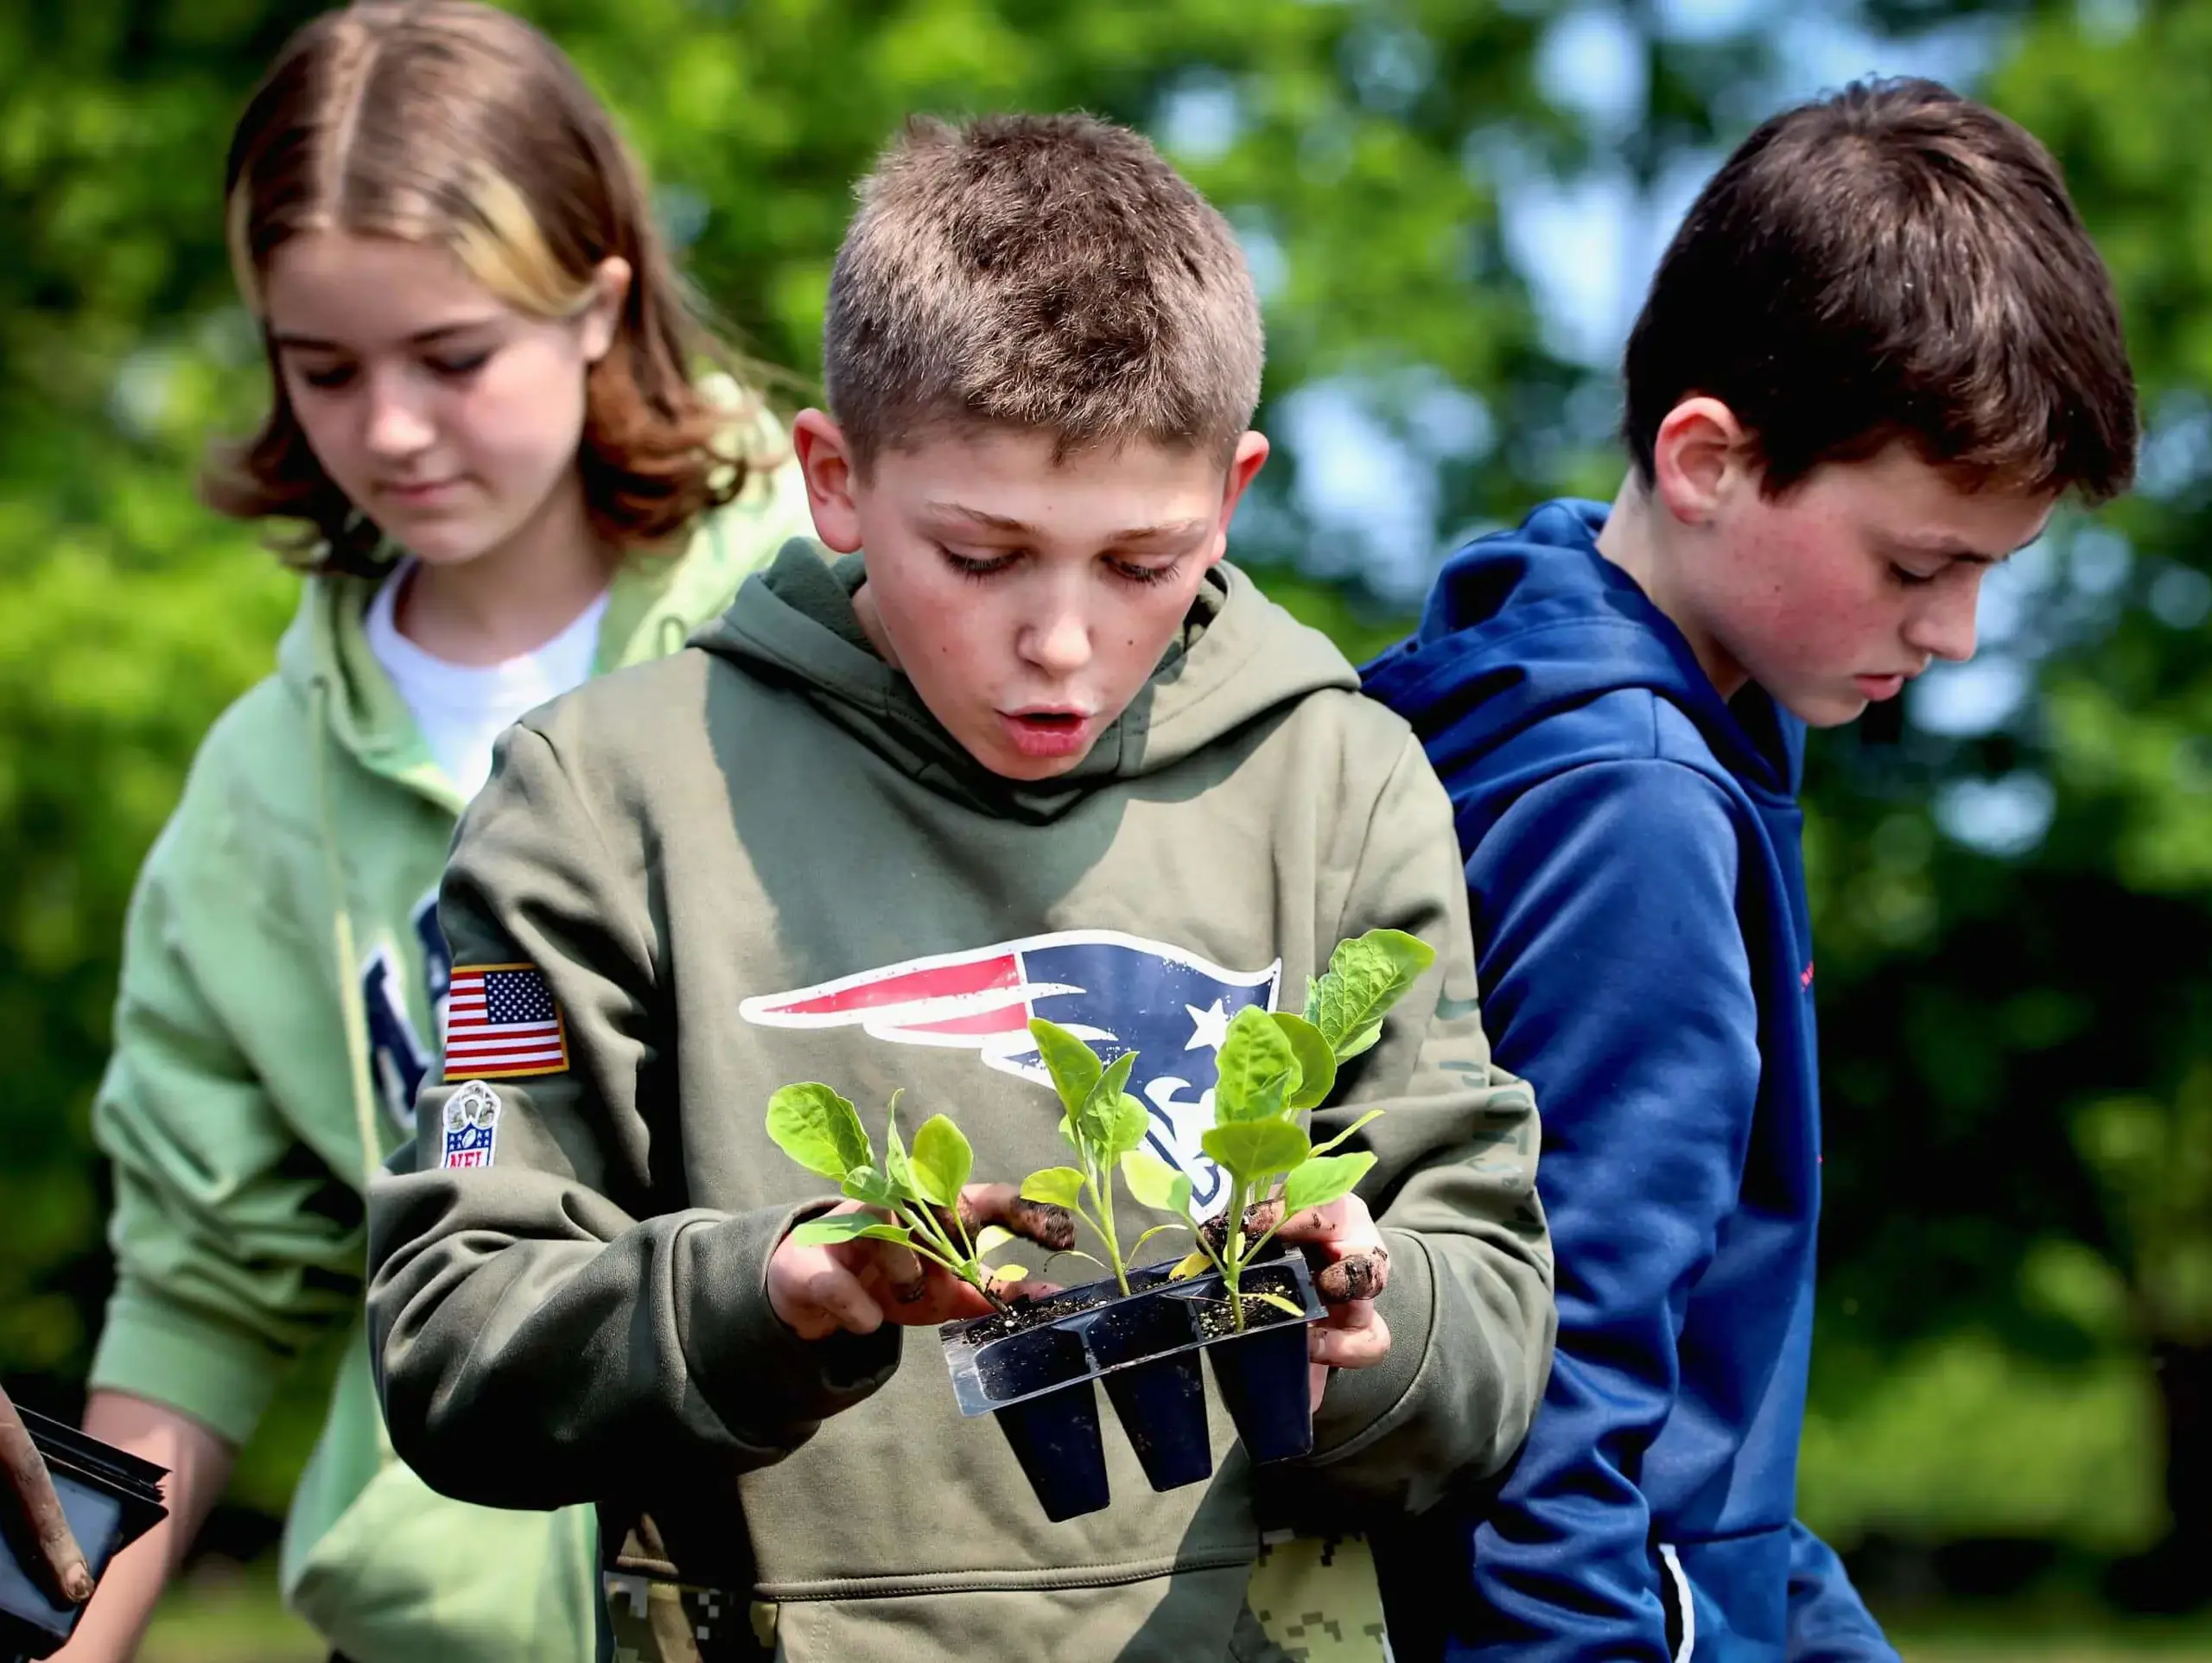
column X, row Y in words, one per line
column 1638, row 901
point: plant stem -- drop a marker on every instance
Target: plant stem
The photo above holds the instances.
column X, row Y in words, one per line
column 920, row 1222
column 1105, row 1234
column 967, row 1242
column 1233, row 1252
column 1101, row 1196
column 923, row 1250
column 1281, row 1219
column 1137, row 1246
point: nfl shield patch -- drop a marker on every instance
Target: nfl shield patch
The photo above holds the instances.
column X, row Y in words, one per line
column 502, row 1023
column 472, row 1127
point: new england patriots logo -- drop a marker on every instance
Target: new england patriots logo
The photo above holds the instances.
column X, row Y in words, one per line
column 1117, row 993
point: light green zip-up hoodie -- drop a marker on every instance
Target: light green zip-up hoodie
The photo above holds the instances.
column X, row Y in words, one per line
column 283, row 987
column 763, row 860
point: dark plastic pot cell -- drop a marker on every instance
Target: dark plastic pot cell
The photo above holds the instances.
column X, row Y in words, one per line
column 1158, row 1392
column 111, row 1498
column 1264, row 1381
column 1050, row 1415
column 1144, row 1345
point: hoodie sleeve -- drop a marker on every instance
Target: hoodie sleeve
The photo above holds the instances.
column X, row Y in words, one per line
column 235, row 1244
column 1469, row 1299
column 548, row 1328
column 1829, row 1623
column 1606, row 902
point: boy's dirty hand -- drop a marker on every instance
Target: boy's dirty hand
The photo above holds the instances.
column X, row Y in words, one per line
column 980, row 1205
column 858, row 1286
column 1355, row 1267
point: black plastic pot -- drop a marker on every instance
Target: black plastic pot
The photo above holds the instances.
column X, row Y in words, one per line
column 1143, row 1346
column 110, row 1499
column 1264, row 1384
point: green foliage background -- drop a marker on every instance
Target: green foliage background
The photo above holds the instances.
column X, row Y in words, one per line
column 2018, row 1298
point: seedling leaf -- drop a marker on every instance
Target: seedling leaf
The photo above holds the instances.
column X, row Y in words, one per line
column 1058, row 1186
column 942, row 1160
column 819, row 1130
column 1152, row 1182
column 895, row 1164
column 1072, row 1064
column 1278, row 1302
column 1190, row 1265
column 1366, row 977
column 1254, row 1071
column 866, row 1183
column 1364, row 1040
column 1322, row 1180
column 1101, row 1108
column 1316, row 1063
column 990, row 1239
column 848, row 1227
column 1252, row 1149
column 1126, row 1126
column 1010, row 1273
column 1323, row 1148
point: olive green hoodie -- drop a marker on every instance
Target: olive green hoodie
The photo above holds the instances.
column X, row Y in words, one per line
column 711, row 861
column 282, row 984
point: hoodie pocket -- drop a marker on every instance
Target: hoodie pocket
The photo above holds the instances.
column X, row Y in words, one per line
column 1727, row 1598
column 1681, row 1604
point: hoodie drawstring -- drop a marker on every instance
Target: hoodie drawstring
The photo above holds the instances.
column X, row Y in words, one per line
column 354, row 1012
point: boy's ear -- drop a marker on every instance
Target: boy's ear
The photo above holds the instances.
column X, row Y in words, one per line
column 825, row 459
column 1700, row 456
column 1250, row 453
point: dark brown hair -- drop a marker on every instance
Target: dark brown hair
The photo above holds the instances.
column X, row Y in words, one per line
column 1050, row 272
column 452, row 124
column 1894, row 262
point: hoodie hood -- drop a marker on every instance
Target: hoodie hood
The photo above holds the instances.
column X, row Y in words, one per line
column 653, row 606
column 1530, row 624
column 1238, row 658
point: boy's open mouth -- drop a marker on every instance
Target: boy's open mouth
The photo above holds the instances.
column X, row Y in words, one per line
column 1879, row 687
column 1045, row 732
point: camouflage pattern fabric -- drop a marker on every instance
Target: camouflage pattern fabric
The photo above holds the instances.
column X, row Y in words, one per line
column 1317, row 1597
column 656, row 1621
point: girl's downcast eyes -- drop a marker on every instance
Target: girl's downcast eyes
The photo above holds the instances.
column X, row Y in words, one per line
column 452, row 367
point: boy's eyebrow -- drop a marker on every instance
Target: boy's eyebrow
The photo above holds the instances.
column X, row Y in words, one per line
column 420, row 338
column 1946, row 548
column 1137, row 534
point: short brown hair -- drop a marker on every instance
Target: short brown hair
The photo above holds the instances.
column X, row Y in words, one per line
column 459, row 124
column 1894, row 262
column 1050, row 272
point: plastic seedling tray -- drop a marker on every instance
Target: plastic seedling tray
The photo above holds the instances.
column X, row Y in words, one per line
column 1143, row 1346
column 111, row 1498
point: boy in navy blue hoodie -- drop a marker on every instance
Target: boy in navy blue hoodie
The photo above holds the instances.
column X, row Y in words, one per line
column 1879, row 350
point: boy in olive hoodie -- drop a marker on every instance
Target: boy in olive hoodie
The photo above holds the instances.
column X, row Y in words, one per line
column 1037, row 753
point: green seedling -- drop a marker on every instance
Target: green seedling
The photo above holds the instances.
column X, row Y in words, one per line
column 1102, row 1124
column 914, row 1195
column 1274, row 1069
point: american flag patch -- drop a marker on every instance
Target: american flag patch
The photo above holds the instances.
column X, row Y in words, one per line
column 502, row 1023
